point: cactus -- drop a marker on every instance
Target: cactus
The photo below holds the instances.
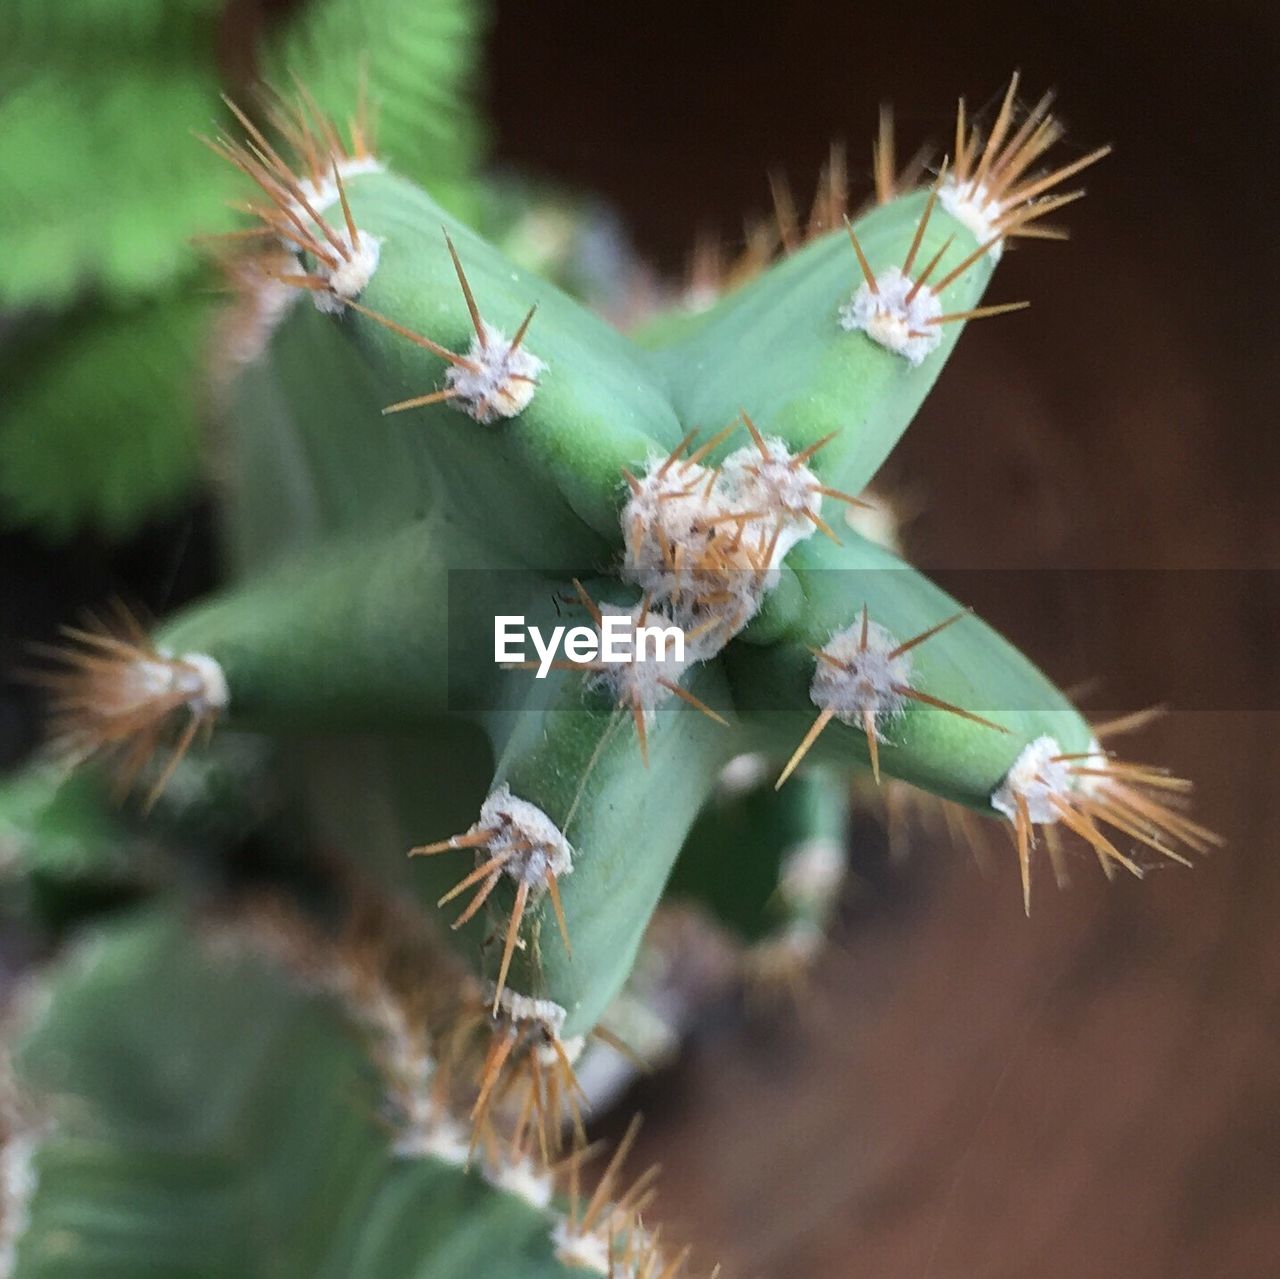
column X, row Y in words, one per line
column 423, row 438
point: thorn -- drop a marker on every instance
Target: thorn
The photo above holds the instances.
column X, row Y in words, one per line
column 524, row 328
column 819, row 724
column 998, row 131
column 979, row 313
column 587, row 602
column 493, row 864
column 756, row 436
column 883, row 157
column 675, row 453
column 352, row 232
column 553, row 890
column 1032, row 189
column 908, row 645
column 867, row 274
column 513, row 931
column 823, row 526
column 919, row 282
column 1023, row 829
column 956, row 272
column 421, row 401
column 718, row 438
column 805, row 454
column 924, row 221
column 938, row 704
column 696, row 702
column 844, row 497
column 458, row 361
column 873, row 741
column 784, row 212
column 476, row 322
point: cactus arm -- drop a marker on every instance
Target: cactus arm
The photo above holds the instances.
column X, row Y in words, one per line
column 597, row 406
column 206, row 1114
column 968, row 665
column 362, row 634
column 359, row 471
column 777, row 346
column 580, row 762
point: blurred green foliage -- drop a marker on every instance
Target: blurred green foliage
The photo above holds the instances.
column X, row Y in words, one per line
column 106, row 300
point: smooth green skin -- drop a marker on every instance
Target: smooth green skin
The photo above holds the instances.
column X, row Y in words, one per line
column 363, row 633
column 969, row 665
column 579, row 760
column 363, row 515
column 597, row 409
column 211, row 1120
column 733, row 856
column 777, row 349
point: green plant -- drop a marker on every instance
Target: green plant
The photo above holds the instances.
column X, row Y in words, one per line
column 423, row 438
column 105, row 200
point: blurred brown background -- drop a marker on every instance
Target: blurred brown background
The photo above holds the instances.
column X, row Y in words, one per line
column 1094, row 1092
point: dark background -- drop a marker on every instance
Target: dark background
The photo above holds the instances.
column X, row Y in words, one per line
column 1094, row 1092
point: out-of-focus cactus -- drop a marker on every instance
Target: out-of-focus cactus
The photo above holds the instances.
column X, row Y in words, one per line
column 422, row 438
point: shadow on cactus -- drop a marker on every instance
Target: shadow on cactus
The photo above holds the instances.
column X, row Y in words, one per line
column 424, row 439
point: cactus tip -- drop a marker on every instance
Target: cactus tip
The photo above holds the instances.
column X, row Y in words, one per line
column 115, row 693
column 1089, row 789
column 993, row 189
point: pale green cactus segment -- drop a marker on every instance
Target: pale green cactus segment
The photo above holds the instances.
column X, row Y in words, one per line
column 311, row 455
column 63, row 846
column 967, row 665
column 360, row 634
column 734, row 860
column 192, row 1111
column 597, row 406
column 580, row 762
column 777, row 346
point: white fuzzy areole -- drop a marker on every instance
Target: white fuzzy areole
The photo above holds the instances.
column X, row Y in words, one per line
column 196, row 677
column 788, row 493
column 588, row 1251
column 865, row 678
column 501, row 382
column 974, row 208
column 524, row 1180
column 351, row 276
column 681, row 508
column 525, row 1008
column 636, row 682
column 1039, row 778
column 433, row 1138
column 1035, row 778
column 18, row 1182
column 210, row 691
column 908, row 329
column 536, row 845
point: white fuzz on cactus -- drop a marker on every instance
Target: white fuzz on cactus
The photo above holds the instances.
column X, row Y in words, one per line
column 1040, row 779
column 898, row 313
column 860, row 676
column 497, row 378
column 350, row 273
column 707, row 544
